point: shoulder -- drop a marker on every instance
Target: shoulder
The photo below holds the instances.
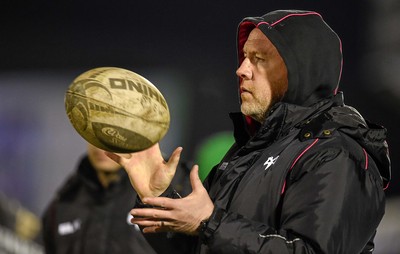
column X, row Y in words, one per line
column 324, row 143
column 68, row 189
column 327, row 132
column 339, row 158
column 73, row 183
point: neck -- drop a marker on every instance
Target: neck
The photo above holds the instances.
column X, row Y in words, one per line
column 106, row 178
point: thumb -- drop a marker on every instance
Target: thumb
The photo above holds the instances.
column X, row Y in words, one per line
column 118, row 157
column 195, row 179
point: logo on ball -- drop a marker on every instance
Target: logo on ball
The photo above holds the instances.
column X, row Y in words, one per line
column 111, row 132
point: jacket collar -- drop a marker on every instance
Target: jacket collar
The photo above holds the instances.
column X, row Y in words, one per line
column 88, row 176
column 281, row 119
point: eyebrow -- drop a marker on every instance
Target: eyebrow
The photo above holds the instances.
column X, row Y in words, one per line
column 259, row 51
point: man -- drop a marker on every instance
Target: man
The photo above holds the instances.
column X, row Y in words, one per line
column 306, row 173
column 90, row 213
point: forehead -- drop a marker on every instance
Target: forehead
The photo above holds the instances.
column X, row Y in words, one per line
column 258, row 41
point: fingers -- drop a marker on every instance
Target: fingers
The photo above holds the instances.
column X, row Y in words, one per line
column 125, row 155
column 154, row 229
column 113, row 156
column 195, row 179
column 119, row 158
column 175, row 157
column 152, row 220
column 151, row 226
column 161, row 202
column 148, row 213
column 144, row 222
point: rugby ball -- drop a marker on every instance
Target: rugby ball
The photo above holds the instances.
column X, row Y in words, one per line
column 117, row 110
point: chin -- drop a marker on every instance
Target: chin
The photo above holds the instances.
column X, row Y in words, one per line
column 106, row 168
column 246, row 110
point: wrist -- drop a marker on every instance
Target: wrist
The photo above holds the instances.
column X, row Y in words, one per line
column 203, row 226
column 209, row 226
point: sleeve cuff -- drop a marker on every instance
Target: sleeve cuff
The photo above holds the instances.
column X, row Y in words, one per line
column 213, row 223
column 169, row 193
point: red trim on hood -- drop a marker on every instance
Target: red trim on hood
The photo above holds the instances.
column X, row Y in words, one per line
column 306, row 14
column 296, row 14
column 287, row 16
column 244, row 31
column 366, row 159
column 341, row 67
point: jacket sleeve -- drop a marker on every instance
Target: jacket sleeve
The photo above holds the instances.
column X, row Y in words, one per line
column 166, row 243
column 48, row 229
column 332, row 204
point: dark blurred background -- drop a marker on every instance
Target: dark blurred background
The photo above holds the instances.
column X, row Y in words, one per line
column 187, row 49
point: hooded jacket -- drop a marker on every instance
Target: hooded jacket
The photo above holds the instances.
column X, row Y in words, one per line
column 311, row 178
column 84, row 217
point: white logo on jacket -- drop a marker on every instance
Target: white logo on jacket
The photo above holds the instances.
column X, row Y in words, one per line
column 69, row 227
column 270, row 161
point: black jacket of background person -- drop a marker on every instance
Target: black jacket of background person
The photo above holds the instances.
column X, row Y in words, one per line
column 312, row 177
column 86, row 218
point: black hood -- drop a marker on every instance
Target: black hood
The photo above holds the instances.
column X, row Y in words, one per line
column 312, row 52
column 310, row 49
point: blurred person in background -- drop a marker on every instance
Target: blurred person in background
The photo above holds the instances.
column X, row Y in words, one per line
column 90, row 212
column 19, row 228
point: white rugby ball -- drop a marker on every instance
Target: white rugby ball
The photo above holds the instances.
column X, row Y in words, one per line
column 117, row 110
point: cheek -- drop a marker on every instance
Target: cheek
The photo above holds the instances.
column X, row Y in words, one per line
column 263, row 92
column 278, row 80
column 265, row 98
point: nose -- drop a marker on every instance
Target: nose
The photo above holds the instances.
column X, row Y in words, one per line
column 244, row 70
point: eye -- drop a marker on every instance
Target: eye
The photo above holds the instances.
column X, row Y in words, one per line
column 259, row 58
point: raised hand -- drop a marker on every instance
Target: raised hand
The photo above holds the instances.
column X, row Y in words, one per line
column 177, row 215
column 149, row 174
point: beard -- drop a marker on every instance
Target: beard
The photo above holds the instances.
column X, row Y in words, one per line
column 254, row 109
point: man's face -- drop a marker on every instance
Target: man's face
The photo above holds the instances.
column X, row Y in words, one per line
column 100, row 161
column 263, row 76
